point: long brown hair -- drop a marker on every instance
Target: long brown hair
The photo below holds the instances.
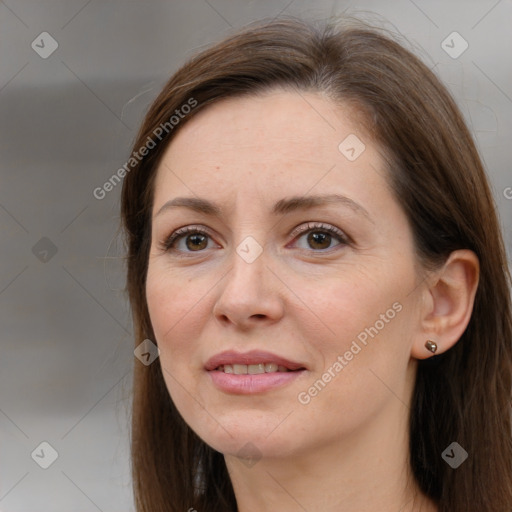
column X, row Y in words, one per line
column 462, row 395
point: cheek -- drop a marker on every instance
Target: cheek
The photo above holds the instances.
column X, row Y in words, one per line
column 348, row 305
column 173, row 305
column 365, row 327
column 362, row 368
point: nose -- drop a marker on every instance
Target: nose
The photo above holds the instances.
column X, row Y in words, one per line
column 250, row 292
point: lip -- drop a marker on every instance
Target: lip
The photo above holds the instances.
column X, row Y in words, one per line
column 252, row 357
column 251, row 384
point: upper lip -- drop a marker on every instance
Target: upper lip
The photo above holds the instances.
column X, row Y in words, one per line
column 251, row 357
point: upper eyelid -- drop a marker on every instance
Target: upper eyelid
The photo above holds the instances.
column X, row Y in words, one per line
column 312, row 225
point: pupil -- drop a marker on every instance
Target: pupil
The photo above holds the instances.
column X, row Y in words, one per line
column 318, row 238
column 196, row 239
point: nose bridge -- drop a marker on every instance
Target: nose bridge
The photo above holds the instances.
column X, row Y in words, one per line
column 249, row 261
column 249, row 236
column 249, row 258
column 245, row 293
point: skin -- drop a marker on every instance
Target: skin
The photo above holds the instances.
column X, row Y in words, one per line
column 347, row 449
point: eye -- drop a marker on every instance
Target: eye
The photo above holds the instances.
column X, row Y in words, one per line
column 320, row 236
column 195, row 239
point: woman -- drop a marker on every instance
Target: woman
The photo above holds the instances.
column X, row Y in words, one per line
column 313, row 246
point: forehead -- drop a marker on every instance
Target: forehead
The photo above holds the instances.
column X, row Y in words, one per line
column 267, row 144
column 284, row 120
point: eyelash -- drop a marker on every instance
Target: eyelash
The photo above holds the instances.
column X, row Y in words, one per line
column 167, row 243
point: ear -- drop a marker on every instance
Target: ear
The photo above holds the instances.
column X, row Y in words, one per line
column 448, row 304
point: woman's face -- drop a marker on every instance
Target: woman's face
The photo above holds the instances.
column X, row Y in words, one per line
column 264, row 286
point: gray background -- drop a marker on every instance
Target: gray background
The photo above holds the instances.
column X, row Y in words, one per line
column 67, row 122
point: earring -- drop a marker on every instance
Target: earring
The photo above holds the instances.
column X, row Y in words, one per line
column 431, row 345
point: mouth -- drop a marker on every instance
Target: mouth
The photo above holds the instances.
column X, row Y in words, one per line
column 253, row 369
column 251, row 372
column 253, row 362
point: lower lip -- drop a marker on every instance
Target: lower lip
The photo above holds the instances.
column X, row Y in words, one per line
column 251, row 384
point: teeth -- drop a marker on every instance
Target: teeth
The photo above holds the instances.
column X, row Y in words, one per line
column 252, row 369
column 239, row 369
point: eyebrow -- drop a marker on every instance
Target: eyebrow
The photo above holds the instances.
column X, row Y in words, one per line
column 281, row 207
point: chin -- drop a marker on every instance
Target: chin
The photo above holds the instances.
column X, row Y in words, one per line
column 244, row 435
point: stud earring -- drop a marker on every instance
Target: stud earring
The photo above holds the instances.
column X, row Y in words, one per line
column 431, row 345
